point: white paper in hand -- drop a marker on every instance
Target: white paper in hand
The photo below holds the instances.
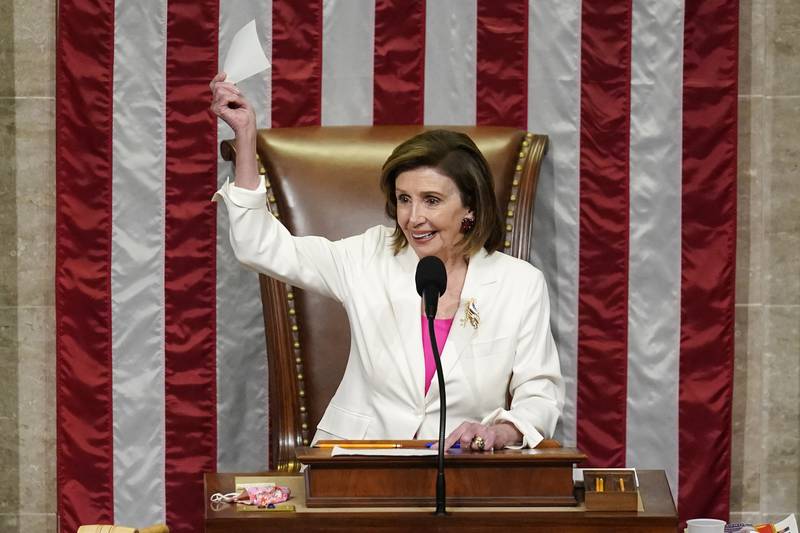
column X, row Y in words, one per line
column 245, row 56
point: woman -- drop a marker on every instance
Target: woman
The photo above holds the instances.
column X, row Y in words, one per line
column 494, row 313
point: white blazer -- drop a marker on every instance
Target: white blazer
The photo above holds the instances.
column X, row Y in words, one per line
column 381, row 396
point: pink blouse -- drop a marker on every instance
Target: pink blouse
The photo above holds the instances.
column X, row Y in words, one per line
column 442, row 328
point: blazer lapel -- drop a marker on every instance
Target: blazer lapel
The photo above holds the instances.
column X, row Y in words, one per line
column 406, row 305
column 477, row 289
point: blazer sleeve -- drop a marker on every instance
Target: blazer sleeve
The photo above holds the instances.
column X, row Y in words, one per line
column 536, row 386
column 261, row 243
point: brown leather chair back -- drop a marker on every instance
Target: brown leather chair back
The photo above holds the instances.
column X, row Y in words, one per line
column 325, row 181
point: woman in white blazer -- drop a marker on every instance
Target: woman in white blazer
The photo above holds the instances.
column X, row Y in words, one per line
column 500, row 365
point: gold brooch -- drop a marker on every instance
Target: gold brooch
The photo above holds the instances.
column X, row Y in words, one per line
column 471, row 314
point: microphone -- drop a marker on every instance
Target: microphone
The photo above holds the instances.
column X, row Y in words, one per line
column 431, row 281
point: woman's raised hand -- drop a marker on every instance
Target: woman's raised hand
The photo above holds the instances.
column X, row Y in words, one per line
column 228, row 104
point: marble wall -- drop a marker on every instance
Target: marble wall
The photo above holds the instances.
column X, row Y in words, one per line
column 766, row 446
column 766, row 414
column 27, row 217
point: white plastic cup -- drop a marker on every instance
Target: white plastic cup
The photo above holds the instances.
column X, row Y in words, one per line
column 705, row 525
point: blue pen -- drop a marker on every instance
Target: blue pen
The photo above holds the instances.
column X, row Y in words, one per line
column 456, row 445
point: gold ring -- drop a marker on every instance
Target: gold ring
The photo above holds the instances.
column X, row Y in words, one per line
column 478, row 442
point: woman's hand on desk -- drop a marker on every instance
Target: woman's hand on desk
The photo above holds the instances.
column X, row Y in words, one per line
column 495, row 437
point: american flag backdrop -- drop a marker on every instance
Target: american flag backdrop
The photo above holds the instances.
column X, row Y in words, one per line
column 161, row 355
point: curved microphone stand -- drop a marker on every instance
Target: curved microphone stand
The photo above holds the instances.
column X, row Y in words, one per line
column 440, row 492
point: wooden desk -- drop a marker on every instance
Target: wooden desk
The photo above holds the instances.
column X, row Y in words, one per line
column 659, row 515
column 502, row 478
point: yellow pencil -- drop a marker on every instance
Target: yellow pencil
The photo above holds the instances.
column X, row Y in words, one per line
column 359, row 446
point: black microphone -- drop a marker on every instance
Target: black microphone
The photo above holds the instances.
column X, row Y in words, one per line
column 431, row 281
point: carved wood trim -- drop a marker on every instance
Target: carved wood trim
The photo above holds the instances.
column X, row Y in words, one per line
column 519, row 213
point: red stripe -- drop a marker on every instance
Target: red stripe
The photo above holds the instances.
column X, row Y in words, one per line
column 708, row 256
column 190, row 260
column 84, row 88
column 502, row 63
column 603, row 256
column 399, row 64
column 296, row 63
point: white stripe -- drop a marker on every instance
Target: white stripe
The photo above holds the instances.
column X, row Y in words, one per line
column 348, row 41
column 137, row 261
column 655, row 236
column 450, row 62
column 554, row 109
column 241, row 346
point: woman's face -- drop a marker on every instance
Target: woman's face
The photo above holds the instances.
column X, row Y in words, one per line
column 429, row 212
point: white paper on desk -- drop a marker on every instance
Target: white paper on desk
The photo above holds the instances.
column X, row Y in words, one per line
column 383, row 452
column 787, row 525
column 245, row 56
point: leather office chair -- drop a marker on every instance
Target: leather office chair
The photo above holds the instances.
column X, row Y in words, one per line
column 324, row 181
